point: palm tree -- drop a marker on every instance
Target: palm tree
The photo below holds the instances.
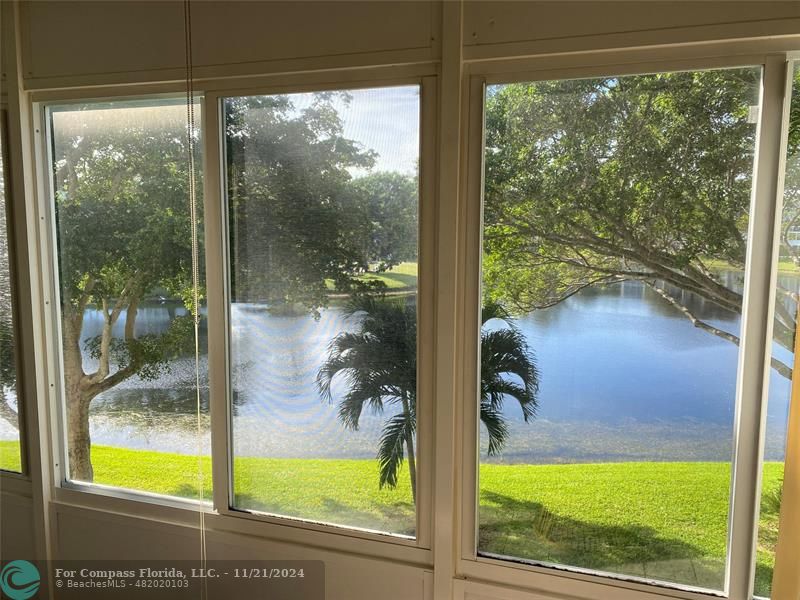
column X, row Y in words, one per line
column 505, row 352
column 379, row 364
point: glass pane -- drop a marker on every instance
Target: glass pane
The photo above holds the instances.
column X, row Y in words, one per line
column 781, row 380
column 10, row 449
column 615, row 228
column 125, row 268
column 323, row 196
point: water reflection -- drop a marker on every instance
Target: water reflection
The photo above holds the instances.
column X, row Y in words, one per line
column 620, row 371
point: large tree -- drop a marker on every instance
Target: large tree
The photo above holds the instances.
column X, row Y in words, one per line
column 297, row 222
column 8, row 373
column 123, row 230
column 646, row 178
column 390, row 201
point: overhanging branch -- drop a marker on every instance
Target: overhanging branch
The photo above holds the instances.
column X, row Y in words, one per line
column 779, row 366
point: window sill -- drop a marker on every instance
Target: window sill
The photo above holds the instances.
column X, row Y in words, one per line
column 577, row 584
column 153, row 508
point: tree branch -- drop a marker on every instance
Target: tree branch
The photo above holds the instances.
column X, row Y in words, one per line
column 100, row 385
column 779, row 366
column 109, row 320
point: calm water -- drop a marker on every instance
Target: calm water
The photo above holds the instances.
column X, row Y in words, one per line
column 623, row 377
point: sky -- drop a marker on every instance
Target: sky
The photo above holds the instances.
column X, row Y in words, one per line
column 385, row 120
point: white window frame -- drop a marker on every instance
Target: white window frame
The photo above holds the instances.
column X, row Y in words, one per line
column 218, row 278
column 218, row 515
column 754, row 357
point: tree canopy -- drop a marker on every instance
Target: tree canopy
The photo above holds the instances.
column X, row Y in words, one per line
column 597, row 181
column 298, row 218
column 390, row 201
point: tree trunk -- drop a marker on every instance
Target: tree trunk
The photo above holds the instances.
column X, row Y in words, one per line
column 79, row 444
column 80, row 387
column 412, row 462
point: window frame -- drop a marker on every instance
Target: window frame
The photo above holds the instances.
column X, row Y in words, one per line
column 45, row 214
column 219, row 514
column 785, row 578
column 452, row 251
column 11, row 246
column 753, row 366
column 218, row 282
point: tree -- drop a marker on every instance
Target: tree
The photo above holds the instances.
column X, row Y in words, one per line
column 124, row 228
column 8, row 373
column 297, row 220
column 791, row 199
column 505, row 352
column 390, row 201
column 123, row 231
column 597, row 181
column 379, row 365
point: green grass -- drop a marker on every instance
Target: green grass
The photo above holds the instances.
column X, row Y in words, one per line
column 784, row 266
column 10, row 457
column 398, row 278
column 658, row 520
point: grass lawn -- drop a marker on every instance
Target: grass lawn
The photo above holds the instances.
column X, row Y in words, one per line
column 10, row 459
column 399, row 278
column 784, row 266
column 657, row 520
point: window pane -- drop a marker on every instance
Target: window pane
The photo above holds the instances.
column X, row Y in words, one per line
column 323, row 196
column 616, row 212
column 784, row 327
column 10, row 449
column 125, row 268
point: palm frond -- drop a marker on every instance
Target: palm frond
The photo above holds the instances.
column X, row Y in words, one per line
column 508, row 369
column 496, row 427
column 377, row 362
column 395, row 432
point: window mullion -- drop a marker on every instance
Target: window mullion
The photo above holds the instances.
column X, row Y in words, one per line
column 756, row 335
column 216, row 281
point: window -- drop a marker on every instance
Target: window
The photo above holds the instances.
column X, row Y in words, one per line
column 614, row 231
column 124, row 250
column 615, row 240
column 787, row 293
column 10, row 448
column 323, row 219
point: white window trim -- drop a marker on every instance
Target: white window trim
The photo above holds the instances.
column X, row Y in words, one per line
column 217, row 263
column 785, row 579
column 753, row 371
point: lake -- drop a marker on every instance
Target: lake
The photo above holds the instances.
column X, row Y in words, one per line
column 624, row 376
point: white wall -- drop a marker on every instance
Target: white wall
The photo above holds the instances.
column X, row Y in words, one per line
column 67, row 44
column 16, row 524
column 143, row 41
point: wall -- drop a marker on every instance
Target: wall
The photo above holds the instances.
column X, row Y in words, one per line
column 71, row 44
